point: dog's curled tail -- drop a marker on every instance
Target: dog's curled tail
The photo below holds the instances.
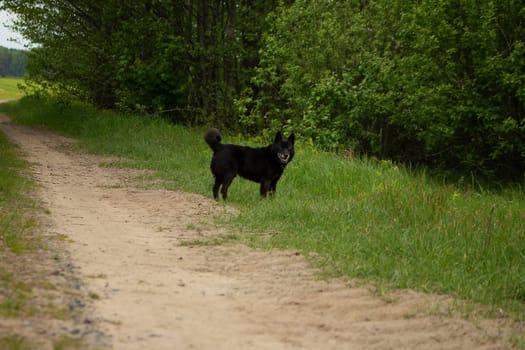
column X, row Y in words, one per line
column 213, row 138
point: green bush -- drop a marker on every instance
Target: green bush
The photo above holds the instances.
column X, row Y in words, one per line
column 436, row 82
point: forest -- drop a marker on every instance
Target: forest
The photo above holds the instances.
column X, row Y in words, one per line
column 12, row 62
column 438, row 82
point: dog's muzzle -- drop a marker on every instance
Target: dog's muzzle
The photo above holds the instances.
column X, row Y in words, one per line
column 283, row 157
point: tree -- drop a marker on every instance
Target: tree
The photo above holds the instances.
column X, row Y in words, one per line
column 73, row 45
column 12, row 62
column 188, row 57
column 438, row 82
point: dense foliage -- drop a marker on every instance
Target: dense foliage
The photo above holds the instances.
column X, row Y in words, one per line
column 12, row 62
column 187, row 57
column 440, row 82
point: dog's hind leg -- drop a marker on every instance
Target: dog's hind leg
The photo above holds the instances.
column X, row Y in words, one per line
column 225, row 184
column 216, row 187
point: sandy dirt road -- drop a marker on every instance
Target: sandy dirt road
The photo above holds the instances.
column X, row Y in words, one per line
column 147, row 291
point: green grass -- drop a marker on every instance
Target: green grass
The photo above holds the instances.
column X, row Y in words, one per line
column 14, row 300
column 9, row 88
column 65, row 343
column 366, row 219
column 15, row 187
column 14, row 342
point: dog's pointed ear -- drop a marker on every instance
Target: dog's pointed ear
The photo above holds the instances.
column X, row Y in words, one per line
column 291, row 138
column 278, row 137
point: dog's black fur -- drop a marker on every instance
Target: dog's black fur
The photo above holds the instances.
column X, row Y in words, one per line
column 264, row 165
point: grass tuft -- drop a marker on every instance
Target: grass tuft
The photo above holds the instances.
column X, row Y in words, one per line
column 15, row 296
column 68, row 343
column 211, row 241
column 14, row 342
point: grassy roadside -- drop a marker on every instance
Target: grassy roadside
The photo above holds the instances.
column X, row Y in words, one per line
column 367, row 219
column 14, row 201
column 26, row 293
column 15, row 224
column 15, row 187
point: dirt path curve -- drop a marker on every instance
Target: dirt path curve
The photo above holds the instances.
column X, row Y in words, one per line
column 153, row 293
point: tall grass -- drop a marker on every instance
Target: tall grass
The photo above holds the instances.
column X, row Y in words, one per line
column 366, row 219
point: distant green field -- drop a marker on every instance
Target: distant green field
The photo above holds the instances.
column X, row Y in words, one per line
column 9, row 88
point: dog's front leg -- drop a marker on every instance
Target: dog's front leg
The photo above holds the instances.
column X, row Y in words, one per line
column 273, row 187
column 265, row 186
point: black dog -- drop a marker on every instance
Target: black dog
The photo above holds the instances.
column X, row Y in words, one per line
column 264, row 165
